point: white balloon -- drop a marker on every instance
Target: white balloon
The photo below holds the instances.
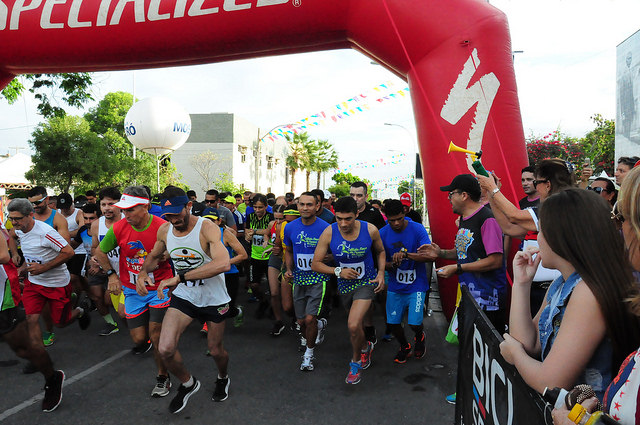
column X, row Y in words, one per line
column 157, row 125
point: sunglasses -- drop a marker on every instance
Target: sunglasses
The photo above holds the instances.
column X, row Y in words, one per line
column 537, row 182
column 597, row 190
column 453, row 193
column 38, row 202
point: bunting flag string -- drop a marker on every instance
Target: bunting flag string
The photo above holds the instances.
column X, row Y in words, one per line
column 355, row 105
column 395, row 159
column 394, row 179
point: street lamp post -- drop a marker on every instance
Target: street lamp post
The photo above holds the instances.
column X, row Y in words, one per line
column 258, row 153
column 413, row 151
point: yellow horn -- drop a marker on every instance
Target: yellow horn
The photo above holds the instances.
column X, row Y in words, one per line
column 454, row 148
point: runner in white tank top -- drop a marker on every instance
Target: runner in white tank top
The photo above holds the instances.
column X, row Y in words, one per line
column 200, row 260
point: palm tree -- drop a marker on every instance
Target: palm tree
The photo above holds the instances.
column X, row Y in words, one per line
column 297, row 154
column 309, row 164
column 326, row 159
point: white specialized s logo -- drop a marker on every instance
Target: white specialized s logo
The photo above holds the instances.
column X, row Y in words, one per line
column 462, row 98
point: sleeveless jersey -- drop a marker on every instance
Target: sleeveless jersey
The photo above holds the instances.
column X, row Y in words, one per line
column 187, row 254
column 40, row 245
column 49, row 220
column 257, row 241
column 355, row 254
column 114, row 255
column 72, row 224
column 233, row 268
column 302, row 240
column 135, row 245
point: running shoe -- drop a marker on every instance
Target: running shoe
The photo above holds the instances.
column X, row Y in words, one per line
column 451, row 398
column 142, row 348
column 307, row 363
column 239, row 319
column 320, row 337
column 163, row 384
column 48, row 338
column 419, row 349
column 205, row 329
column 179, row 402
column 403, row 354
column 353, row 377
column 277, row 329
column 295, row 326
column 365, row 357
column 387, row 337
column 53, row 391
column 221, row 393
column 109, row 329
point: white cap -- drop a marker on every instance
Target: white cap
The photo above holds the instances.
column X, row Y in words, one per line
column 130, row 201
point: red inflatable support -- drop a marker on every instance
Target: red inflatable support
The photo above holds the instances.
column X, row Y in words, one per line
column 455, row 55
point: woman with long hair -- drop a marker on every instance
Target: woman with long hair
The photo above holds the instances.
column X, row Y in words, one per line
column 621, row 398
column 582, row 332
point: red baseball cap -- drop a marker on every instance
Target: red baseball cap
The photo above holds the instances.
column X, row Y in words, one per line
column 405, row 198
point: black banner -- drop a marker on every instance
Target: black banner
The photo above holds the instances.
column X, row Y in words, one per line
column 490, row 390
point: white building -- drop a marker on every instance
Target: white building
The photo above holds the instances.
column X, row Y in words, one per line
column 224, row 144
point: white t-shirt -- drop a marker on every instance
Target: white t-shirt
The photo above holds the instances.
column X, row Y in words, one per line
column 40, row 245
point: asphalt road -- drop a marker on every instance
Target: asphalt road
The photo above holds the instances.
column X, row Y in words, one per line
column 105, row 384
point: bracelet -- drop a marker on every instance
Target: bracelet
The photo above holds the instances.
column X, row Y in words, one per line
column 494, row 191
column 458, row 268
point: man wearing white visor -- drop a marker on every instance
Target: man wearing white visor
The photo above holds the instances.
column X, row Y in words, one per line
column 144, row 311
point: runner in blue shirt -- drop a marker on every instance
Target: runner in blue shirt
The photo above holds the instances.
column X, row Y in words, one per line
column 353, row 244
column 408, row 277
column 301, row 238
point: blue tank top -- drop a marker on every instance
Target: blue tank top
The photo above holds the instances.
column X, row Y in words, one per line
column 355, row 254
column 49, row 220
column 233, row 268
column 598, row 372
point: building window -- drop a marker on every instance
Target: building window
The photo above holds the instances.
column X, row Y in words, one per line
column 269, row 162
column 243, row 153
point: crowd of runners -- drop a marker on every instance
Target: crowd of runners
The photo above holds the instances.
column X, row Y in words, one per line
column 154, row 263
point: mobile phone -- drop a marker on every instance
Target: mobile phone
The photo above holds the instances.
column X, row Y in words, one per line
column 587, row 162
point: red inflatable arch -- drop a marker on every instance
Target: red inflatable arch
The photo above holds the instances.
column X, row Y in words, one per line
column 455, row 55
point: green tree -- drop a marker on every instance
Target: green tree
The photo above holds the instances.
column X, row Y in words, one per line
column 297, row 155
column 326, row 159
column 554, row 145
column 45, row 87
column 66, row 152
column 599, row 145
column 310, row 160
column 343, row 182
column 107, row 120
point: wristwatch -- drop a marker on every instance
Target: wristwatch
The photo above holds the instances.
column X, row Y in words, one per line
column 494, row 191
column 404, row 251
column 337, row 271
column 110, row 272
column 458, row 269
column 181, row 276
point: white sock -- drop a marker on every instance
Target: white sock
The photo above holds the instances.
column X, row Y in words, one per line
column 222, row 377
column 189, row 383
column 309, row 352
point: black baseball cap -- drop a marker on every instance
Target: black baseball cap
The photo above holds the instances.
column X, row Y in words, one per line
column 64, row 201
column 465, row 183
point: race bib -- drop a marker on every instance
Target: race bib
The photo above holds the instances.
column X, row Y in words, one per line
column 114, row 253
column 406, row 277
column 257, row 240
column 192, row 283
column 303, row 261
column 133, row 277
column 37, row 260
column 358, row 267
